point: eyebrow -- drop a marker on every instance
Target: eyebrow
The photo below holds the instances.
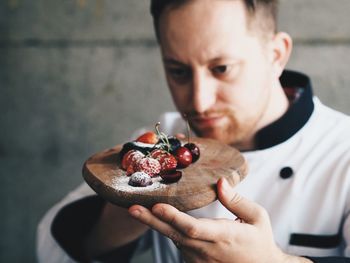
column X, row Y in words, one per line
column 174, row 62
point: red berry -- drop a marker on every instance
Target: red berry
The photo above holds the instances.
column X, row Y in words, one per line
column 148, row 137
column 183, row 156
column 131, row 157
column 167, row 161
column 157, row 153
column 130, row 170
column 194, row 149
column 171, row 177
column 140, row 179
column 148, row 165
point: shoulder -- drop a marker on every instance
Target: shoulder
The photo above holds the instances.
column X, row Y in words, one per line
column 331, row 123
column 327, row 136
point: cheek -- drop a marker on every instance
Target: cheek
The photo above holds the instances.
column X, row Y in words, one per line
column 238, row 95
column 180, row 96
column 245, row 99
column 253, row 85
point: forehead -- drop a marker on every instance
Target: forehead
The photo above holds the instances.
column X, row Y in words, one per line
column 204, row 12
column 203, row 27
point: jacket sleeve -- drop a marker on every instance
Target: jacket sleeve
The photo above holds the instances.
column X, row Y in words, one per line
column 346, row 237
column 47, row 247
column 61, row 232
column 329, row 259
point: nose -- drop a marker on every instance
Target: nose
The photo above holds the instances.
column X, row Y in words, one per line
column 203, row 92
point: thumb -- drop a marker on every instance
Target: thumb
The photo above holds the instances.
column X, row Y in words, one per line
column 243, row 208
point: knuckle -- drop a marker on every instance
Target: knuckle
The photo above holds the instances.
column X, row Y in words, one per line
column 261, row 212
column 236, row 198
column 175, row 237
column 172, row 219
column 192, row 232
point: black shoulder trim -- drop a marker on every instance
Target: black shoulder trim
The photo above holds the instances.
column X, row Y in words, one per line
column 316, row 241
column 329, row 259
column 295, row 118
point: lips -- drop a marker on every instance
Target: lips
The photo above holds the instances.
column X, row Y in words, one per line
column 206, row 121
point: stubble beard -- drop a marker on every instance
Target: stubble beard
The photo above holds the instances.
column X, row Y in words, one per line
column 231, row 131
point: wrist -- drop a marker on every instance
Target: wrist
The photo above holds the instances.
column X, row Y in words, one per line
column 287, row 258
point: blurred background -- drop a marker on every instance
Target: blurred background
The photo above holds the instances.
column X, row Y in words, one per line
column 78, row 76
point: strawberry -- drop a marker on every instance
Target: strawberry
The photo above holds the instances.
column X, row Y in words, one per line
column 148, row 137
column 148, row 165
column 167, row 161
column 157, row 153
column 131, row 157
column 130, row 170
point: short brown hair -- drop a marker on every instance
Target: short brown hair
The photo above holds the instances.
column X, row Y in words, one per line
column 261, row 13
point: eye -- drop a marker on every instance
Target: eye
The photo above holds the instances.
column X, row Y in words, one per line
column 221, row 69
column 178, row 73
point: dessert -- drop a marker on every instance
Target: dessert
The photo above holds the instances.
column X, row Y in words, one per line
column 147, row 165
column 194, row 149
column 132, row 156
column 184, row 157
column 171, row 177
column 156, row 154
column 140, row 179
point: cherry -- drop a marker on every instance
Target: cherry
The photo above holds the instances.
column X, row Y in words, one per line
column 171, row 176
column 174, row 143
column 140, row 179
column 183, row 156
column 194, row 149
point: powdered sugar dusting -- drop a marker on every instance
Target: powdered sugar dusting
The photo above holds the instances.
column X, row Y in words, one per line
column 139, row 176
column 120, row 183
column 142, row 144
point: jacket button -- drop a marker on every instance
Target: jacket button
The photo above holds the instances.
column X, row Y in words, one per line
column 286, row 172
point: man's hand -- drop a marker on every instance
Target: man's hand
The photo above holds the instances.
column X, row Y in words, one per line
column 248, row 239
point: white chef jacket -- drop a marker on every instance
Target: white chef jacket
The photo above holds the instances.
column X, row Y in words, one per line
column 309, row 210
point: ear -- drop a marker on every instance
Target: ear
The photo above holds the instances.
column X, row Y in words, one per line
column 282, row 47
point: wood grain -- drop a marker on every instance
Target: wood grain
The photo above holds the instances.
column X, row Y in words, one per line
column 197, row 187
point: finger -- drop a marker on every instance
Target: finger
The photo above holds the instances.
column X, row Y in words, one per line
column 243, row 208
column 146, row 217
column 200, row 229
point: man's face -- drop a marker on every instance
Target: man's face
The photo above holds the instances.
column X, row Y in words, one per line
column 217, row 70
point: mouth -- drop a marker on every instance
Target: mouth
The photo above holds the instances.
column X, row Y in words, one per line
column 207, row 121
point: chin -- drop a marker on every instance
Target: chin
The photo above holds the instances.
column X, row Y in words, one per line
column 221, row 135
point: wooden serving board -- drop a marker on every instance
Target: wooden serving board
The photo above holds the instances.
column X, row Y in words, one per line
column 196, row 188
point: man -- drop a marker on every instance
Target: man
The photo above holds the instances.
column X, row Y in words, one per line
column 224, row 63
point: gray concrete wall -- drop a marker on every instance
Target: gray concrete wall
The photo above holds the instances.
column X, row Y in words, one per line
column 77, row 76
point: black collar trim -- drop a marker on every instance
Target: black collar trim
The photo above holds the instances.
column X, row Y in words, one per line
column 299, row 112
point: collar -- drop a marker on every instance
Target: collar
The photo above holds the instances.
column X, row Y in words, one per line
column 297, row 87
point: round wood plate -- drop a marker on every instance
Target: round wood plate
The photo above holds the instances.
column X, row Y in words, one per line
column 196, row 188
